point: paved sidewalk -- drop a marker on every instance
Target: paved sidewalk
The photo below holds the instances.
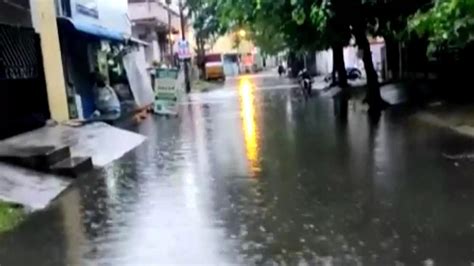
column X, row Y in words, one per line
column 459, row 118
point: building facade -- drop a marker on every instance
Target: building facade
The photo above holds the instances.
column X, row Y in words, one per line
column 92, row 34
column 151, row 22
column 23, row 91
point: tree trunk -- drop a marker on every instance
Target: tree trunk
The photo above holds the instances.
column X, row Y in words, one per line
column 201, row 57
column 373, row 97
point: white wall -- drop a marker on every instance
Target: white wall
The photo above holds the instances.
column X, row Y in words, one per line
column 271, row 61
column 156, row 51
column 377, row 56
column 351, row 58
column 152, row 52
column 324, row 62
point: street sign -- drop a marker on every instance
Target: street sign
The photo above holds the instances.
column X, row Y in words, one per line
column 166, row 91
column 184, row 52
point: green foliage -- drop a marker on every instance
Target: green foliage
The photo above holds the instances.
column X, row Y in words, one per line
column 269, row 40
column 273, row 25
column 448, row 24
column 262, row 19
column 298, row 15
column 315, row 24
column 319, row 16
column 9, row 216
column 329, row 20
column 206, row 22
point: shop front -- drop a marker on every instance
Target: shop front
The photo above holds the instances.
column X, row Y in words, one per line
column 95, row 42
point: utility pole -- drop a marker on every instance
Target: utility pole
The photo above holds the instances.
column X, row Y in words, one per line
column 170, row 33
column 183, row 36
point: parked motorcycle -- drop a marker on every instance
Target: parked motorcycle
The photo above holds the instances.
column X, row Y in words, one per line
column 353, row 73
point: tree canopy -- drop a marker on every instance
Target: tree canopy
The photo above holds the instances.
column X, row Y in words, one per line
column 273, row 24
column 206, row 24
column 309, row 25
column 447, row 24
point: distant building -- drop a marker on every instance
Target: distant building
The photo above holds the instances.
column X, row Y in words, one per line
column 150, row 23
column 240, row 55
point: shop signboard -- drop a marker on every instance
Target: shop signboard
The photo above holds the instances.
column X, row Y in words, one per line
column 166, row 91
column 110, row 14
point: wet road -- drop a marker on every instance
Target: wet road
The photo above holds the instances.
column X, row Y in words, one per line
column 252, row 175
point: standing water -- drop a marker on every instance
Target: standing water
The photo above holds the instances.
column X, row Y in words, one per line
column 251, row 174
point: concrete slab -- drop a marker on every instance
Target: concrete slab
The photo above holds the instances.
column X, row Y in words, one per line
column 100, row 141
column 32, row 189
column 37, row 158
column 73, row 167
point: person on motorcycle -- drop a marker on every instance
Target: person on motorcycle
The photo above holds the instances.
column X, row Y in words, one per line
column 306, row 81
column 281, row 70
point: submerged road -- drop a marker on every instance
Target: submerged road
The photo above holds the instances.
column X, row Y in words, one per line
column 252, row 175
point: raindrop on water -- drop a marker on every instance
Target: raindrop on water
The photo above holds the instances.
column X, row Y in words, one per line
column 428, row 262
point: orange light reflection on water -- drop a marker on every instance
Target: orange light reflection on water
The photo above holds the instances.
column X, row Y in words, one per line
column 249, row 125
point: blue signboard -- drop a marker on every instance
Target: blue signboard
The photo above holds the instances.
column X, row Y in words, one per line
column 111, row 15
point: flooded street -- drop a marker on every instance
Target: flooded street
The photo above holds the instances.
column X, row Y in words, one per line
column 253, row 175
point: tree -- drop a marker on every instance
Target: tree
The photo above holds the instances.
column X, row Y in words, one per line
column 206, row 26
column 386, row 18
column 338, row 20
column 303, row 25
column 358, row 18
column 337, row 33
column 447, row 24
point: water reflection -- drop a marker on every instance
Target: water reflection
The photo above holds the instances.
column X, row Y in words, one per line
column 341, row 103
column 249, row 125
